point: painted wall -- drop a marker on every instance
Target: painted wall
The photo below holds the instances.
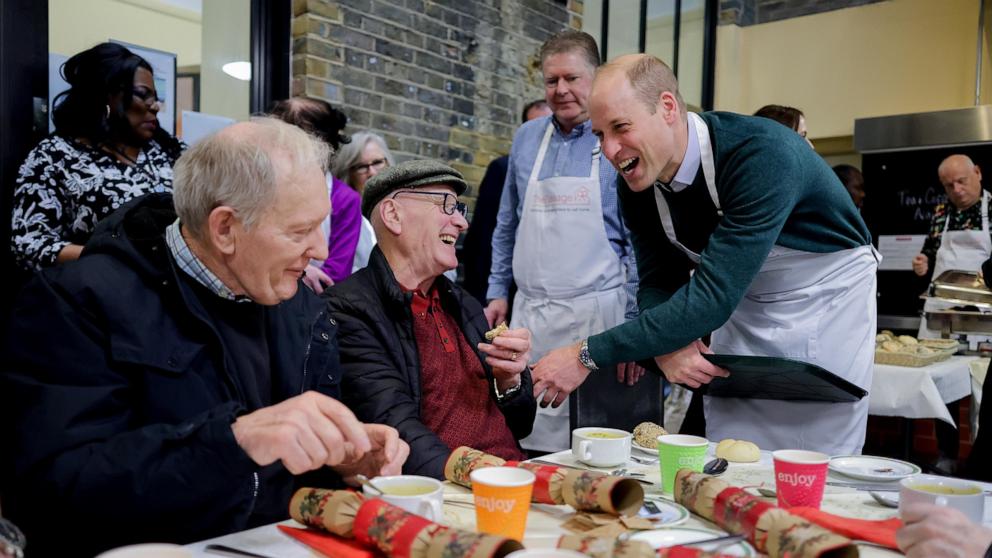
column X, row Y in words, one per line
column 226, row 39
column 76, row 25
column 886, row 58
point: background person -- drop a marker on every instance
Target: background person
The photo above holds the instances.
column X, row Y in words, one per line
column 176, row 404
column 559, row 232
column 413, row 343
column 732, row 240
column 854, row 183
column 787, row 116
column 356, row 163
column 108, row 148
column 344, row 224
column 477, row 250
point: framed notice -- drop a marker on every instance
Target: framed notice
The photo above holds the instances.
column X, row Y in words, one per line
column 164, row 69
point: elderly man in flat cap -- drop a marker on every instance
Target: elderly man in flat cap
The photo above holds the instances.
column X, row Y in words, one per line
column 413, row 344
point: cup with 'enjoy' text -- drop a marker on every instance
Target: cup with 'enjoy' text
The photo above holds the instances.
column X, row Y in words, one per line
column 799, row 477
column 679, row 451
column 502, row 500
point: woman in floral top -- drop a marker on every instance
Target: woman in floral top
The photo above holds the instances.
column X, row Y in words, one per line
column 108, row 149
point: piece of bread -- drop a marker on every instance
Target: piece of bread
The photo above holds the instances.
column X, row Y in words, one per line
column 907, row 340
column 646, row 434
column 496, row 331
column 738, row 451
column 883, row 337
column 892, row 346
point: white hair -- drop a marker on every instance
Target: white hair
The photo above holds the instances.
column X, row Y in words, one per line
column 241, row 167
column 350, row 153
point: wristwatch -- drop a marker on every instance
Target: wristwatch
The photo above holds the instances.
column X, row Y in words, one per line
column 510, row 391
column 584, row 357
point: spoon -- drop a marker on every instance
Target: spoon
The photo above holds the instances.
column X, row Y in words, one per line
column 767, row 492
column 884, row 500
column 364, row 481
column 643, row 460
column 716, row 467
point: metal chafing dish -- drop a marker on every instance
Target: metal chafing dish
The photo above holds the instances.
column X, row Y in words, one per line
column 971, row 301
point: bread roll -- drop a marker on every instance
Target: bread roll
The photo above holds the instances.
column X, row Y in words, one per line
column 646, row 434
column 738, row 451
column 892, row 346
column 907, row 340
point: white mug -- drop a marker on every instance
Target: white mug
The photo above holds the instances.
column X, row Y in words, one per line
column 969, row 500
column 601, row 447
column 426, row 502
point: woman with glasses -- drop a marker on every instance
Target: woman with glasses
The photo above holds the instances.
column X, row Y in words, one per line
column 107, row 149
column 356, row 163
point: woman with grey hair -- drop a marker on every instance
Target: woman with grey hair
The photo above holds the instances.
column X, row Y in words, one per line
column 360, row 160
column 355, row 163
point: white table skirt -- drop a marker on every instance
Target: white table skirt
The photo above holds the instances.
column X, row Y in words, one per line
column 901, row 391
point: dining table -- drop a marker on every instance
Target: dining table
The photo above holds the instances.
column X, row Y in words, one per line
column 544, row 522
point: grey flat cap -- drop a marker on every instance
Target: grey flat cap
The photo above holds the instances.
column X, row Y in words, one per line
column 410, row 174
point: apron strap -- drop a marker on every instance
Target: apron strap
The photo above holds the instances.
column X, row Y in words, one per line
column 541, row 152
column 706, row 160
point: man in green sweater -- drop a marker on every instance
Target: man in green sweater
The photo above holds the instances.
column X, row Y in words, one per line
column 743, row 233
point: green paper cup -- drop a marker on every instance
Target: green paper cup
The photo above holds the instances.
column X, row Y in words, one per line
column 678, row 451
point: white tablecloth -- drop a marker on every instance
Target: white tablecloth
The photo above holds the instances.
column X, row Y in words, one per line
column 544, row 521
column 901, row 391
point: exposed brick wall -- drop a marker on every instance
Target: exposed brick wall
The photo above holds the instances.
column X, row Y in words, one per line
column 752, row 12
column 444, row 79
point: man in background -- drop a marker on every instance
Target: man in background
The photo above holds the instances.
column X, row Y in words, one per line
column 477, row 249
column 559, row 233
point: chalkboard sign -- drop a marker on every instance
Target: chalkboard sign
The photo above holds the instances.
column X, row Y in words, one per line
column 902, row 191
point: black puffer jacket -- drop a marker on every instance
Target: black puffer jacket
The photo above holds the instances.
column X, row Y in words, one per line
column 117, row 399
column 382, row 366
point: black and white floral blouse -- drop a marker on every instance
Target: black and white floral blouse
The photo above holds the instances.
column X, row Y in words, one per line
column 64, row 188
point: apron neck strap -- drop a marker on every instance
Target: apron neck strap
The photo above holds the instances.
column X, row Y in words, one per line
column 542, row 151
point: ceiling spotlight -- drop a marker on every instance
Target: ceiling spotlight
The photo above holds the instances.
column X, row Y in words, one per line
column 238, row 70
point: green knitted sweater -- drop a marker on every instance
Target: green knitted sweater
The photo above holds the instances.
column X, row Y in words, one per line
column 773, row 189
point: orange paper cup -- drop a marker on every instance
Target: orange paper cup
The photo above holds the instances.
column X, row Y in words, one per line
column 502, row 500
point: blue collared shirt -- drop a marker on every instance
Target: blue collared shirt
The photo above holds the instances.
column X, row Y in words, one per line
column 567, row 155
column 690, row 163
column 192, row 266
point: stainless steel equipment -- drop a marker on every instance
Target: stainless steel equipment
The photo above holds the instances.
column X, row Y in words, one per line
column 973, row 300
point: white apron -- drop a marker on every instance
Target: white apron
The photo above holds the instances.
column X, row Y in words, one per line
column 818, row 308
column 569, row 279
column 964, row 250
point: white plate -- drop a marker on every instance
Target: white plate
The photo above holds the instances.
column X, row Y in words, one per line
column 869, row 468
column 670, row 513
column 663, row 538
column 642, row 449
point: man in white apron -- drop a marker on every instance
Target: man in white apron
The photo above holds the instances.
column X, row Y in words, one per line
column 955, row 240
column 740, row 231
column 559, row 234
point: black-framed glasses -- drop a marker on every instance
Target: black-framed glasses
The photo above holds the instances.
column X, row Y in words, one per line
column 449, row 203
column 148, row 96
column 365, row 168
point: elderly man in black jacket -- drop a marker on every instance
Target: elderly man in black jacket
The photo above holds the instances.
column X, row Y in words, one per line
column 412, row 342
column 170, row 384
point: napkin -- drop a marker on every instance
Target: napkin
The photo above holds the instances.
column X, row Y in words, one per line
column 877, row 531
column 328, row 544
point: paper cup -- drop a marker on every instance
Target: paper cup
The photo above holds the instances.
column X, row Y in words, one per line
column 502, row 500
column 679, row 451
column 799, row 477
